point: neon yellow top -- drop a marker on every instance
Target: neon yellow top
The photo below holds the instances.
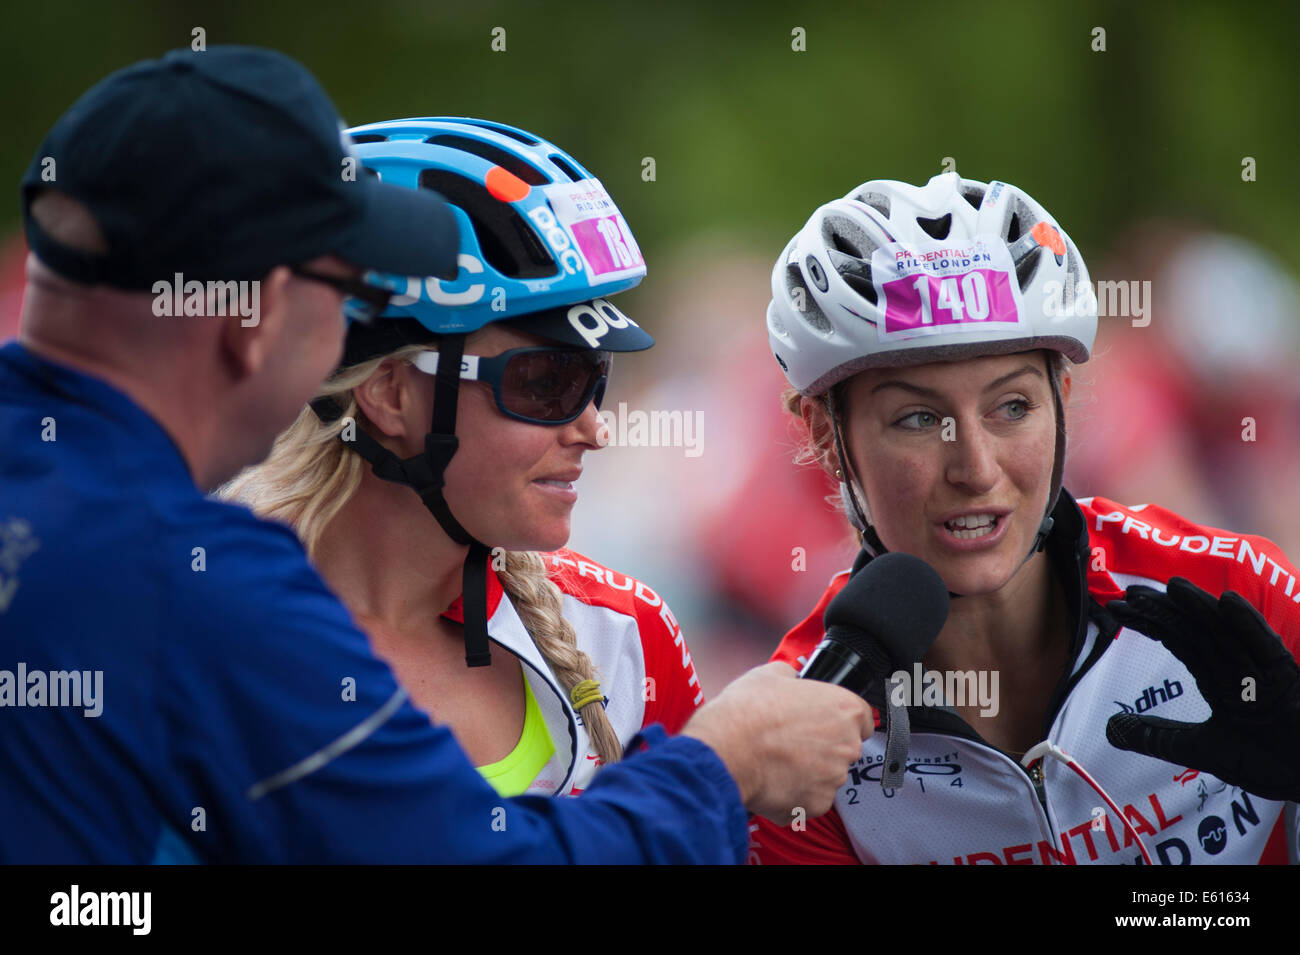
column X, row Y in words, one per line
column 511, row 775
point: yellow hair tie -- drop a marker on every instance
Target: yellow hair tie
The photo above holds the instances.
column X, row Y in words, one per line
column 584, row 693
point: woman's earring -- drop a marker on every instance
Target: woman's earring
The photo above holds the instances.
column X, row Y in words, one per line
column 839, row 475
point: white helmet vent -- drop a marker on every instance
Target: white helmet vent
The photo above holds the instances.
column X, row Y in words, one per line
column 877, row 200
column 1027, row 266
column 844, row 235
column 936, row 228
column 810, row 312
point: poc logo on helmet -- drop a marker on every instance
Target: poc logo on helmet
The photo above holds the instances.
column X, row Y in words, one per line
column 408, row 288
column 557, row 238
column 593, row 320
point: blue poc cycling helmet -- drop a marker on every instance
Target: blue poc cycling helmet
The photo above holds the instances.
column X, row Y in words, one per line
column 541, row 246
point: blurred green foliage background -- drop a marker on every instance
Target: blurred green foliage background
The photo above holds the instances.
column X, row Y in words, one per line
column 748, row 135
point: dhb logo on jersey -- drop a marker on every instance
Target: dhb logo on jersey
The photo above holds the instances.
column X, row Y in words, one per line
column 1152, row 697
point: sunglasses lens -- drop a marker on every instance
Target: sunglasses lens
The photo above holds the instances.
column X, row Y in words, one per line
column 552, row 386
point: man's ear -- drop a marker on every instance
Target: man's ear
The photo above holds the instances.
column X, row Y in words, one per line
column 385, row 397
column 249, row 340
column 818, row 423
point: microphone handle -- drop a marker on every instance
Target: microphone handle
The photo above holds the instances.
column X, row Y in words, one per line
column 835, row 662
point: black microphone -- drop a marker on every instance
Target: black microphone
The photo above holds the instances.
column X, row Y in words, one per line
column 884, row 620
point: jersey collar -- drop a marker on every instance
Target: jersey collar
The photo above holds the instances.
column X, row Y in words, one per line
column 456, row 611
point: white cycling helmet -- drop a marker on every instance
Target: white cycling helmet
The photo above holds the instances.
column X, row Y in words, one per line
column 896, row 274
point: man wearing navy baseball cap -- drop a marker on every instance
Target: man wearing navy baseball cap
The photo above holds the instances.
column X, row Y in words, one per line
column 176, row 682
column 219, row 183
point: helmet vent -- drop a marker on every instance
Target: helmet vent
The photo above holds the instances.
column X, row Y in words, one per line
column 856, row 273
column 936, row 228
column 568, row 170
column 841, row 244
column 1027, row 266
column 370, row 138
column 860, row 285
column 1013, row 228
column 877, row 200
column 493, row 154
column 801, row 295
column 974, row 195
column 503, row 130
column 845, row 235
column 508, row 244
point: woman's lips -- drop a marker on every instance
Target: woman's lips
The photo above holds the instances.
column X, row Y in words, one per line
column 557, row 488
column 972, row 537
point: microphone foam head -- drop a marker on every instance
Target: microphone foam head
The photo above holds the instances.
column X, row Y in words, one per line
column 897, row 600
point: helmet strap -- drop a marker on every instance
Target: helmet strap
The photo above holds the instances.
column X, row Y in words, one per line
column 1058, row 467
column 848, row 487
column 425, row 473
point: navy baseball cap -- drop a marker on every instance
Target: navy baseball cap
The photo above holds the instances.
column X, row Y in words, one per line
column 222, row 164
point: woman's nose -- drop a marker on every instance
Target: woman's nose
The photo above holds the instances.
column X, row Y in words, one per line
column 972, row 462
column 586, row 429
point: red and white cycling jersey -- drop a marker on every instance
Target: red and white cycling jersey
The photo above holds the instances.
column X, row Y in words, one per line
column 642, row 662
column 965, row 802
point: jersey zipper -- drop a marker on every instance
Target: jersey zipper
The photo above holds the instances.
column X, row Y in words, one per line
column 1036, row 777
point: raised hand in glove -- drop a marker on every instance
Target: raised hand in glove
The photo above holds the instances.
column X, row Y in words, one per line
column 1245, row 673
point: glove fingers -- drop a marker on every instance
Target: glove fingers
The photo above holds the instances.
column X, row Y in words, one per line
column 1254, row 635
column 1150, row 612
column 1209, row 748
column 1185, row 744
column 1192, row 599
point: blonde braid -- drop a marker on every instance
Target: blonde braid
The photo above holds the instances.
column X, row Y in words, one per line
column 537, row 600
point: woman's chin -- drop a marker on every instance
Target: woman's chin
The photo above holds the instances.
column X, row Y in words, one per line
column 977, row 578
column 551, row 536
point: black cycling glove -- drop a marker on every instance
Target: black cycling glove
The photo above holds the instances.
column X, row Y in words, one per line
column 1245, row 673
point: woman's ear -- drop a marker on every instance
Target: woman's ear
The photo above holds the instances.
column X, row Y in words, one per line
column 386, row 398
column 818, row 423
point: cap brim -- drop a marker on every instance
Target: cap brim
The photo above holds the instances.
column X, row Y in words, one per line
column 406, row 231
column 555, row 324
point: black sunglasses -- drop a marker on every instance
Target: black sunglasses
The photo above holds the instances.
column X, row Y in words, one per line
column 365, row 303
column 550, row 386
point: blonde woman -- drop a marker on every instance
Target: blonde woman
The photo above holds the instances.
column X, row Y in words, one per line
column 542, row 662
